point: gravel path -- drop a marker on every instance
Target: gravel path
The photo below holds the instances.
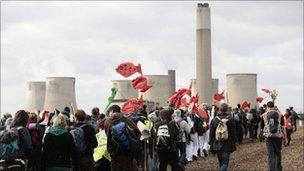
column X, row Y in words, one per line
column 252, row 156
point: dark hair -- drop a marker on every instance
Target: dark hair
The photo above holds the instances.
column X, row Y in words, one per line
column 21, row 118
column 114, row 108
column 290, row 108
column 67, row 109
column 253, row 111
column 239, row 105
column 270, row 104
column 95, row 111
column 224, row 108
column 88, row 117
column 101, row 116
column 80, row 115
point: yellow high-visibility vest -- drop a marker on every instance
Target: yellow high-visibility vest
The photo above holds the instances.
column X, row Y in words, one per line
column 101, row 150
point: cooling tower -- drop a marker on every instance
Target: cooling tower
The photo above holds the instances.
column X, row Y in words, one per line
column 160, row 91
column 171, row 74
column 35, row 96
column 124, row 89
column 203, row 53
column 60, row 92
column 215, row 86
column 241, row 87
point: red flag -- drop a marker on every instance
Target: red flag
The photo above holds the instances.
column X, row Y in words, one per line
column 259, row 99
column 218, row 97
column 193, row 108
column 132, row 105
column 266, row 90
column 177, row 96
column 185, row 100
column 203, row 113
column 144, row 89
column 141, row 83
column 245, row 104
column 127, row 69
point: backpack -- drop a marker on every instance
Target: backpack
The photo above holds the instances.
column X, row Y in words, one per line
column 125, row 139
column 287, row 124
column 249, row 118
column 236, row 117
column 9, row 144
column 272, row 125
column 221, row 131
column 163, row 139
column 79, row 139
column 181, row 132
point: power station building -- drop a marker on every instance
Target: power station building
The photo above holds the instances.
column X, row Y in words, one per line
column 215, row 86
column 163, row 86
column 35, row 96
column 241, row 87
column 203, row 53
column 60, row 93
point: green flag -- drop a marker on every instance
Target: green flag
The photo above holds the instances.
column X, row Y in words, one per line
column 111, row 98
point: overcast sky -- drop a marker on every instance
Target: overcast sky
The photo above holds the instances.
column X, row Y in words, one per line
column 87, row 40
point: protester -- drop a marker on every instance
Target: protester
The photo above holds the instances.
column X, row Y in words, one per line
column 223, row 137
column 167, row 134
column 294, row 118
column 3, row 120
column 184, row 130
column 36, row 137
column 192, row 145
column 59, row 148
column 101, row 154
column 115, row 126
column 20, row 121
column 95, row 118
column 288, row 125
column 274, row 132
column 238, row 118
column 86, row 141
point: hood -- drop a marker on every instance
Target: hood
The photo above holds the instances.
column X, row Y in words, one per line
column 58, row 130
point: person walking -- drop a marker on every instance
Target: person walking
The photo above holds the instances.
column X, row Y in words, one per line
column 223, row 136
column 274, row 133
column 58, row 150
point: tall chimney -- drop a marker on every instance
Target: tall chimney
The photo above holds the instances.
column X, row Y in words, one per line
column 35, row 95
column 203, row 53
column 172, row 83
column 60, row 92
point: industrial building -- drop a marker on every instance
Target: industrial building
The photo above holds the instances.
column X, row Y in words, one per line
column 35, row 96
column 60, row 92
column 241, row 87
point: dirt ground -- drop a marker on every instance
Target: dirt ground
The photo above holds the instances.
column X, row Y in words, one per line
column 252, row 156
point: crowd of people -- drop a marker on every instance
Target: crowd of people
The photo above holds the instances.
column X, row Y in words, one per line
column 145, row 140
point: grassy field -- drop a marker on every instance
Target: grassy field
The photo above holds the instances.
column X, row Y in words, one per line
column 252, row 156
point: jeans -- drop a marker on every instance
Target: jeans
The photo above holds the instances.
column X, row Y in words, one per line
column 223, row 158
column 274, row 148
column 182, row 152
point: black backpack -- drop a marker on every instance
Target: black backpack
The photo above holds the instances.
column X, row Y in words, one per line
column 163, row 140
column 273, row 121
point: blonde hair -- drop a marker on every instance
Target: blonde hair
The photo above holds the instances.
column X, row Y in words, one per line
column 33, row 118
column 59, row 121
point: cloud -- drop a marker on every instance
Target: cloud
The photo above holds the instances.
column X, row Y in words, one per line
column 89, row 39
